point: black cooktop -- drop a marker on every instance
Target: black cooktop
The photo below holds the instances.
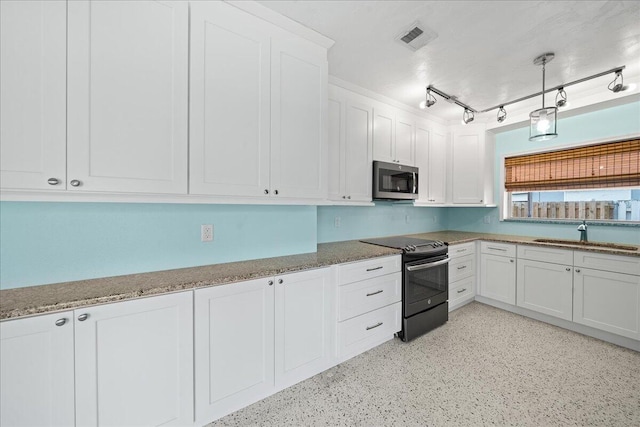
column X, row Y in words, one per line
column 409, row 244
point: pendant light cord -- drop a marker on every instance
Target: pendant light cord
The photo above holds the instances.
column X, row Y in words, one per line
column 544, row 61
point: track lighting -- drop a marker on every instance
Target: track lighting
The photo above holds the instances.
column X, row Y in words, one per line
column 467, row 116
column 616, row 86
column 561, row 98
column 502, row 114
column 429, row 100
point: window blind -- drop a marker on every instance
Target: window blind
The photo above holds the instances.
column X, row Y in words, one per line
column 612, row 164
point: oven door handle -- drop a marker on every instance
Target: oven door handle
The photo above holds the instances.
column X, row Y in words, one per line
column 428, row 265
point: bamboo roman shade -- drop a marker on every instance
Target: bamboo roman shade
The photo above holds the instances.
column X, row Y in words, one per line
column 613, row 164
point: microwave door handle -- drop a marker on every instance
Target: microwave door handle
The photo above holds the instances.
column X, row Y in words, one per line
column 428, row 265
column 414, row 182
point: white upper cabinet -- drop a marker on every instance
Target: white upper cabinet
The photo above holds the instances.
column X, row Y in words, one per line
column 230, row 96
column 467, row 164
column 431, row 158
column 393, row 135
column 258, row 107
column 299, row 72
column 350, row 147
column 33, row 53
column 127, row 111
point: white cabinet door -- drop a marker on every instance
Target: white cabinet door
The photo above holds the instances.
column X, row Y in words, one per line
column 467, row 175
column 431, row 158
column 33, row 52
column 358, row 151
column 298, row 118
column 127, row 96
column 336, row 146
column 303, row 328
column 608, row 301
column 234, row 338
column 405, row 131
column 36, row 371
column 384, row 133
column 498, row 278
column 230, row 96
column 134, row 362
column 545, row 288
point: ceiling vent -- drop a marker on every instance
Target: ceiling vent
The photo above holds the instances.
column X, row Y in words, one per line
column 416, row 36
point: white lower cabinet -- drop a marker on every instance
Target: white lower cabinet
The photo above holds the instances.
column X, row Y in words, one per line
column 256, row 337
column 36, row 371
column 545, row 288
column 608, row 301
column 369, row 307
column 234, row 346
column 498, row 278
column 303, row 325
column 462, row 274
column 134, row 362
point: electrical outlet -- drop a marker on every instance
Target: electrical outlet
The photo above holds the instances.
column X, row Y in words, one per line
column 336, row 222
column 407, row 218
column 487, row 219
column 206, row 233
column 435, row 218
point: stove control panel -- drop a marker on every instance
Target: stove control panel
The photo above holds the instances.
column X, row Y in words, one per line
column 436, row 244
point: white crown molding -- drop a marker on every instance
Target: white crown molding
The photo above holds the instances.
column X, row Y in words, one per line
column 269, row 15
column 381, row 98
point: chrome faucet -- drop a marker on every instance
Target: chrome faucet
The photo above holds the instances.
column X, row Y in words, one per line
column 582, row 228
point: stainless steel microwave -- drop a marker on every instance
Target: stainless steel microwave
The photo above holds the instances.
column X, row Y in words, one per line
column 393, row 181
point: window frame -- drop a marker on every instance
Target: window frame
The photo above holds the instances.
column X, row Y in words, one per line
column 505, row 197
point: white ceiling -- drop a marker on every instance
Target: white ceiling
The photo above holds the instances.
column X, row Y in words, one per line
column 484, row 50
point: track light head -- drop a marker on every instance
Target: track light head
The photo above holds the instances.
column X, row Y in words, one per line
column 467, row 116
column 429, row 101
column 617, row 86
column 561, row 98
column 502, row 114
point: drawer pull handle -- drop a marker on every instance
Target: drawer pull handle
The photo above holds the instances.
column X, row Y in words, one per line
column 374, row 326
column 568, row 269
column 375, row 293
column 577, row 270
column 496, row 249
column 61, row 322
column 461, row 250
column 462, row 267
column 462, row 290
column 83, row 317
column 373, row 269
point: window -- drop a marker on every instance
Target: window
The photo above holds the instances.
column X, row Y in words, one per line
column 597, row 182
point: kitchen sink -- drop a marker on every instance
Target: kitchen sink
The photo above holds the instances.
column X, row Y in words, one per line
column 596, row 244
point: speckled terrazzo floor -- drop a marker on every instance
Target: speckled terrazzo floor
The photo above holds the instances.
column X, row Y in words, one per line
column 484, row 367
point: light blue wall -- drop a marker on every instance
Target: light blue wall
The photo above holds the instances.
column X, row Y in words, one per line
column 608, row 123
column 384, row 219
column 44, row 243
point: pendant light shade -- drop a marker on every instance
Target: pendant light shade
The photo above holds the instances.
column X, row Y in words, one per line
column 543, row 122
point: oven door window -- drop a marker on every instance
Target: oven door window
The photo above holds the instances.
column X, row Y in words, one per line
column 425, row 286
column 396, row 181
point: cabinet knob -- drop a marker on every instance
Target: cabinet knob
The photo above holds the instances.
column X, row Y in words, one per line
column 280, row 281
column 577, row 270
column 266, row 191
column 568, row 269
column 349, row 197
column 75, row 183
column 61, row 322
column 275, row 192
column 344, row 197
column 83, row 317
column 270, row 282
column 53, row 181
column 511, row 260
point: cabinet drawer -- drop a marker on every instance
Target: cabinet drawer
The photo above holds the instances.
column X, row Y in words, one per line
column 368, row 295
column 552, row 255
column 362, row 270
column 462, row 289
column 615, row 263
column 501, row 249
column 462, row 267
column 364, row 332
column 463, row 249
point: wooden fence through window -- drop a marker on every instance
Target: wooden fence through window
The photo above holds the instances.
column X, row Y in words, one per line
column 565, row 210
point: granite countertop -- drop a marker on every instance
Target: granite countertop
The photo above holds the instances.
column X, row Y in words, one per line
column 32, row 300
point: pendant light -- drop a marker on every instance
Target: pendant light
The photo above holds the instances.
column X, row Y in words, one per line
column 543, row 122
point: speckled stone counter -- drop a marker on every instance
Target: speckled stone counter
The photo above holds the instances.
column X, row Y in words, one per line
column 70, row 295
